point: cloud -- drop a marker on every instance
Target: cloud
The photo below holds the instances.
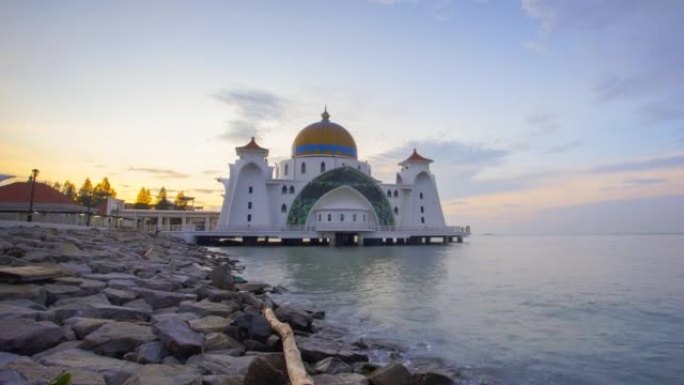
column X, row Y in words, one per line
column 211, row 172
column 635, row 45
column 256, row 111
column 642, row 165
column 159, row 172
column 207, row 190
column 544, row 123
column 644, row 181
column 561, row 148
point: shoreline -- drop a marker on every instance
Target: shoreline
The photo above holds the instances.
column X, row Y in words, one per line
column 119, row 307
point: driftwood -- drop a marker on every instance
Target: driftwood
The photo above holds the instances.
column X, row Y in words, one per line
column 293, row 358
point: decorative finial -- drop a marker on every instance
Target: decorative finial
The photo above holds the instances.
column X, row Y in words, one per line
column 252, row 139
column 325, row 115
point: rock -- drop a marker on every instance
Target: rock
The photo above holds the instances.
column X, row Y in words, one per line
column 104, row 267
column 224, row 343
column 273, row 343
column 165, row 375
column 314, row 350
column 119, row 297
column 56, row 292
column 91, row 286
column 112, row 276
column 255, row 325
column 217, row 295
column 365, row 368
column 391, row 374
column 117, row 338
column 261, row 372
column 76, row 268
column 298, row 319
column 87, row 360
column 139, row 304
column 123, row 284
column 332, row 365
column 319, row 314
column 221, row 277
column 156, row 284
column 252, row 300
column 91, row 300
column 160, row 299
column 204, row 308
column 30, row 273
column 221, row 364
column 8, row 311
column 115, row 313
column 340, row 379
column 35, row 373
column 432, row 378
column 83, row 326
column 26, row 291
column 210, row 324
column 29, row 337
column 151, row 353
column 171, row 360
column 159, row 317
column 11, row 377
column 253, row 287
column 6, row 358
column 178, row 338
column 256, row 346
column 220, row 380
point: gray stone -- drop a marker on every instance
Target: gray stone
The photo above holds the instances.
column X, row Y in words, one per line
column 76, row 268
column 159, row 317
column 161, row 299
column 221, row 364
column 29, row 337
column 221, row 277
column 262, row 372
column 8, row 311
column 218, row 295
column 11, row 377
column 220, row 380
column 123, row 284
column 204, row 308
column 391, row 374
column 139, row 304
column 156, row 284
column 252, row 300
column 314, row 350
column 117, row 338
column 178, row 338
column 432, row 377
column 255, row 325
column 56, row 292
column 224, row 343
column 340, row 379
column 111, row 276
column 332, row 365
column 29, row 291
column 298, row 319
column 171, row 360
column 151, row 352
column 253, row 287
column 87, row 360
column 83, row 326
column 35, row 373
column 96, row 299
column 253, row 345
column 30, row 273
column 210, row 324
column 119, row 297
column 165, row 375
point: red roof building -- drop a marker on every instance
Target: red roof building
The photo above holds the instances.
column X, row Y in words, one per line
column 16, row 197
column 416, row 157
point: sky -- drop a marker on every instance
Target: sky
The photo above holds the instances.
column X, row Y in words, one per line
column 542, row 116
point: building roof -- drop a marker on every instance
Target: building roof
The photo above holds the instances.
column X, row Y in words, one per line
column 416, row 157
column 252, row 145
column 324, row 138
column 17, row 196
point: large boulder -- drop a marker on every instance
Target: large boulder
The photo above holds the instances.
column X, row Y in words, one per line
column 35, row 373
column 29, row 337
column 340, row 379
column 117, row 338
column 178, row 338
column 165, row 375
column 298, row 319
column 87, row 360
column 224, row 343
column 255, row 326
column 221, row 277
column 151, row 352
column 210, row 324
column 29, row 291
column 83, row 326
column 314, row 350
column 262, row 372
column 209, row 363
column 391, row 374
column 205, row 307
column 118, row 296
column 430, row 377
column 332, row 365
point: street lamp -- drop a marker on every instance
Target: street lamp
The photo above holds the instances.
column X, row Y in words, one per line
column 34, row 175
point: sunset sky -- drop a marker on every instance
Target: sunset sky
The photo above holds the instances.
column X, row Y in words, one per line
column 541, row 115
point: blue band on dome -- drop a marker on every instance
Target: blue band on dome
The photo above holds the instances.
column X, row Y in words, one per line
column 325, row 149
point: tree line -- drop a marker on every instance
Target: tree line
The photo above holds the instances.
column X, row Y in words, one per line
column 87, row 195
column 161, row 202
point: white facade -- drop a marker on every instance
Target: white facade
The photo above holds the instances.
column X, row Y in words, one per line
column 331, row 193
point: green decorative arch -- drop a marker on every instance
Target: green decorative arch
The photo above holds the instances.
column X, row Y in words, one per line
column 343, row 176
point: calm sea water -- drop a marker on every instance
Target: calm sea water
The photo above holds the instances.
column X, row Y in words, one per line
column 521, row 310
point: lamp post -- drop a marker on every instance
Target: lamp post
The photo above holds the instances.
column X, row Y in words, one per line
column 34, row 175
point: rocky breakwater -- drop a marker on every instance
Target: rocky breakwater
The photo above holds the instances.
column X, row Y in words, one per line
column 123, row 307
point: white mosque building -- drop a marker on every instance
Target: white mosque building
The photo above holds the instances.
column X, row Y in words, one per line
column 324, row 195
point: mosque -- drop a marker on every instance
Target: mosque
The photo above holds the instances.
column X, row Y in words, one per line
column 324, row 195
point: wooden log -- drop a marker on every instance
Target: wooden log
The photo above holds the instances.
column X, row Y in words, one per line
column 293, row 358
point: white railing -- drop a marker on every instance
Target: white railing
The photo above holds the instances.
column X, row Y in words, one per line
column 331, row 227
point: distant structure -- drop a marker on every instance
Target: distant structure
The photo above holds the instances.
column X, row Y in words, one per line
column 324, row 195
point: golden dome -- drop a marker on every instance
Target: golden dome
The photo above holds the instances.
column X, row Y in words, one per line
column 324, row 138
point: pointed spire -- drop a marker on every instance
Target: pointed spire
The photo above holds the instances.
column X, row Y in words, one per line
column 325, row 115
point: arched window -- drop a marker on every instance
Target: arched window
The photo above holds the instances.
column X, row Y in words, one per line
column 303, row 168
column 396, row 210
column 422, row 209
column 291, row 189
column 322, row 167
column 329, row 217
column 249, row 205
column 284, row 189
column 422, row 219
column 287, row 168
column 389, row 193
column 249, row 217
column 250, row 189
column 396, row 193
column 283, row 208
column 421, row 195
column 354, row 217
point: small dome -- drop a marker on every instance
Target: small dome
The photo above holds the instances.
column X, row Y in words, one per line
column 324, row 138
